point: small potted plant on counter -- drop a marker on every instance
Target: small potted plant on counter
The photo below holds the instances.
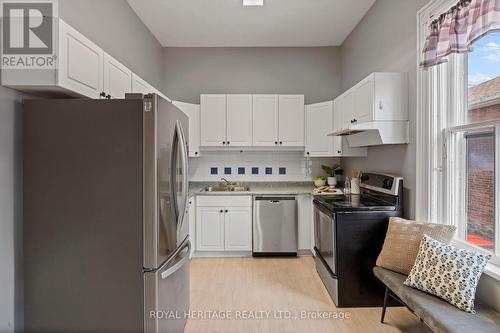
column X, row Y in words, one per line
column 332, row 171
column 319, row 181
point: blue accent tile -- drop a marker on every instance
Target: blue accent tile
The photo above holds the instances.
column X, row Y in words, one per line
column 255, row 171
column 282, row 171
column 227, row 170
column 269, row 171
column 241, row 171
column 213, row 171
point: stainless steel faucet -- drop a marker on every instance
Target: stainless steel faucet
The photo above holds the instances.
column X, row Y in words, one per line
column 228, row 183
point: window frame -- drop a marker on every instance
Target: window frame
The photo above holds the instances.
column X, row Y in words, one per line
column 441, row 112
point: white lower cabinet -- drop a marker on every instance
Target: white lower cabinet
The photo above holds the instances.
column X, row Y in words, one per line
column 305, row 221
column 210, row 229
column 238, row 227
column 223, row 223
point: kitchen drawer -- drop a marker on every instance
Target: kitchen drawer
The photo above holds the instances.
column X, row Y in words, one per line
column 224, row 200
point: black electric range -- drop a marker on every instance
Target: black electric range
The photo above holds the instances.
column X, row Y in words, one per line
column 349, row 234
column 367, row 200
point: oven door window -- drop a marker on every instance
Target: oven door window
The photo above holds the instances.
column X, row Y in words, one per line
column 325, row 237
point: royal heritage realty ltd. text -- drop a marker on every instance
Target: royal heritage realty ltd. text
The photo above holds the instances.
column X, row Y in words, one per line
column 249, row 315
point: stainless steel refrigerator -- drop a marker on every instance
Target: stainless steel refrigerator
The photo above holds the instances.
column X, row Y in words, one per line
column 105, row 191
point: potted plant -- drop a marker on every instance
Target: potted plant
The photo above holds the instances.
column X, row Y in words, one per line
column 319, row 181
column 332, row 171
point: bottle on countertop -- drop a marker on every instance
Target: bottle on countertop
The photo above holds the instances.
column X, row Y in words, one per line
column 347, row 185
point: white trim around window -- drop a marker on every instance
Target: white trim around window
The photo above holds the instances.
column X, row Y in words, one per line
column 440, row 89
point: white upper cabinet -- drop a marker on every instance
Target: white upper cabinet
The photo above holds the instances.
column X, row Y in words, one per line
column 252, row 120
column 363, row 102
column 321, row 120
column 347, row 107
column 319, row 123
column 226, row 120
column 265, row 120
column 291, row 120
column 117, row 78
column 141, row 86
column 239, row 120
column 84, row 69
column 380, row 97
column 193, row 113
column 80, row 63
column 213, row 120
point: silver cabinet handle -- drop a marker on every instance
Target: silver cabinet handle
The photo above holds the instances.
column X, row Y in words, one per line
column 180, row 263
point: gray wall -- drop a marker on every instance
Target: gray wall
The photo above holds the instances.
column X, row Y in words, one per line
column 385, row 40
column 114, row 26
column 10, row 210
column 314, row 72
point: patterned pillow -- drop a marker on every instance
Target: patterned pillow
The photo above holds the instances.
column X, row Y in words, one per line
column 402, row 242
column 447, row 272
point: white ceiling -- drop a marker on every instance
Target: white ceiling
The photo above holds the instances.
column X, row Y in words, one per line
column 187, row 23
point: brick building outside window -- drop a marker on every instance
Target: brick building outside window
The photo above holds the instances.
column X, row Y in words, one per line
column 484, row 104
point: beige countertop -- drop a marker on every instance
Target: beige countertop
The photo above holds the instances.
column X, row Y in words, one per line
column 256, row 188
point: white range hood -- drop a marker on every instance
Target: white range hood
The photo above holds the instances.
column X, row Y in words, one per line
column 376, row 133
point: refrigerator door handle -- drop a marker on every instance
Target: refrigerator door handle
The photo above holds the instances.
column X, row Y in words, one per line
column 180, row 262
column 184, row 157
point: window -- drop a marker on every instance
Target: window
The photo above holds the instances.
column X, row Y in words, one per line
column 471, row 131
column 458, row 139
column 483, row 79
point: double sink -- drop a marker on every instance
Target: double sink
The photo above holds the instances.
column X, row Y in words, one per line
column 229, row 188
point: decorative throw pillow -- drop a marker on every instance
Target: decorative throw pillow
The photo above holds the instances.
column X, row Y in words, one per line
column 448, row 272
column 403, row 240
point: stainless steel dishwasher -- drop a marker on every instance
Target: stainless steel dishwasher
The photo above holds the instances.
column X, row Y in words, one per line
column 275, row 226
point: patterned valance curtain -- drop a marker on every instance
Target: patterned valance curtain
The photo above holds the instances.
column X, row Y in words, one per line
column 455, row 30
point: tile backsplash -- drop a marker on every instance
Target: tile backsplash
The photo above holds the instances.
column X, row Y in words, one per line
column 256, row 166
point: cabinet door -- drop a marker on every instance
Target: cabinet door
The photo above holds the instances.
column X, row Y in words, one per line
column 305, row 217
column 80, row 63
column 117, row 78
column 338, row 119
column 193, row 113
column 238, row 227
column 140, row 86
column 239, row 120
column 210, row 229
column 213, row 120
column 319, row 123
column 291, row 120
column 265, row 120
column 337, row 126
column 347, row 110
column 363, row 101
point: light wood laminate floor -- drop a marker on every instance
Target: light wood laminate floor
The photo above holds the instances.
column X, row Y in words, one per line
column 246, row 286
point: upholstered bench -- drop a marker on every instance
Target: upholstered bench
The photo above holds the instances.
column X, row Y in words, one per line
column 436, row 313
